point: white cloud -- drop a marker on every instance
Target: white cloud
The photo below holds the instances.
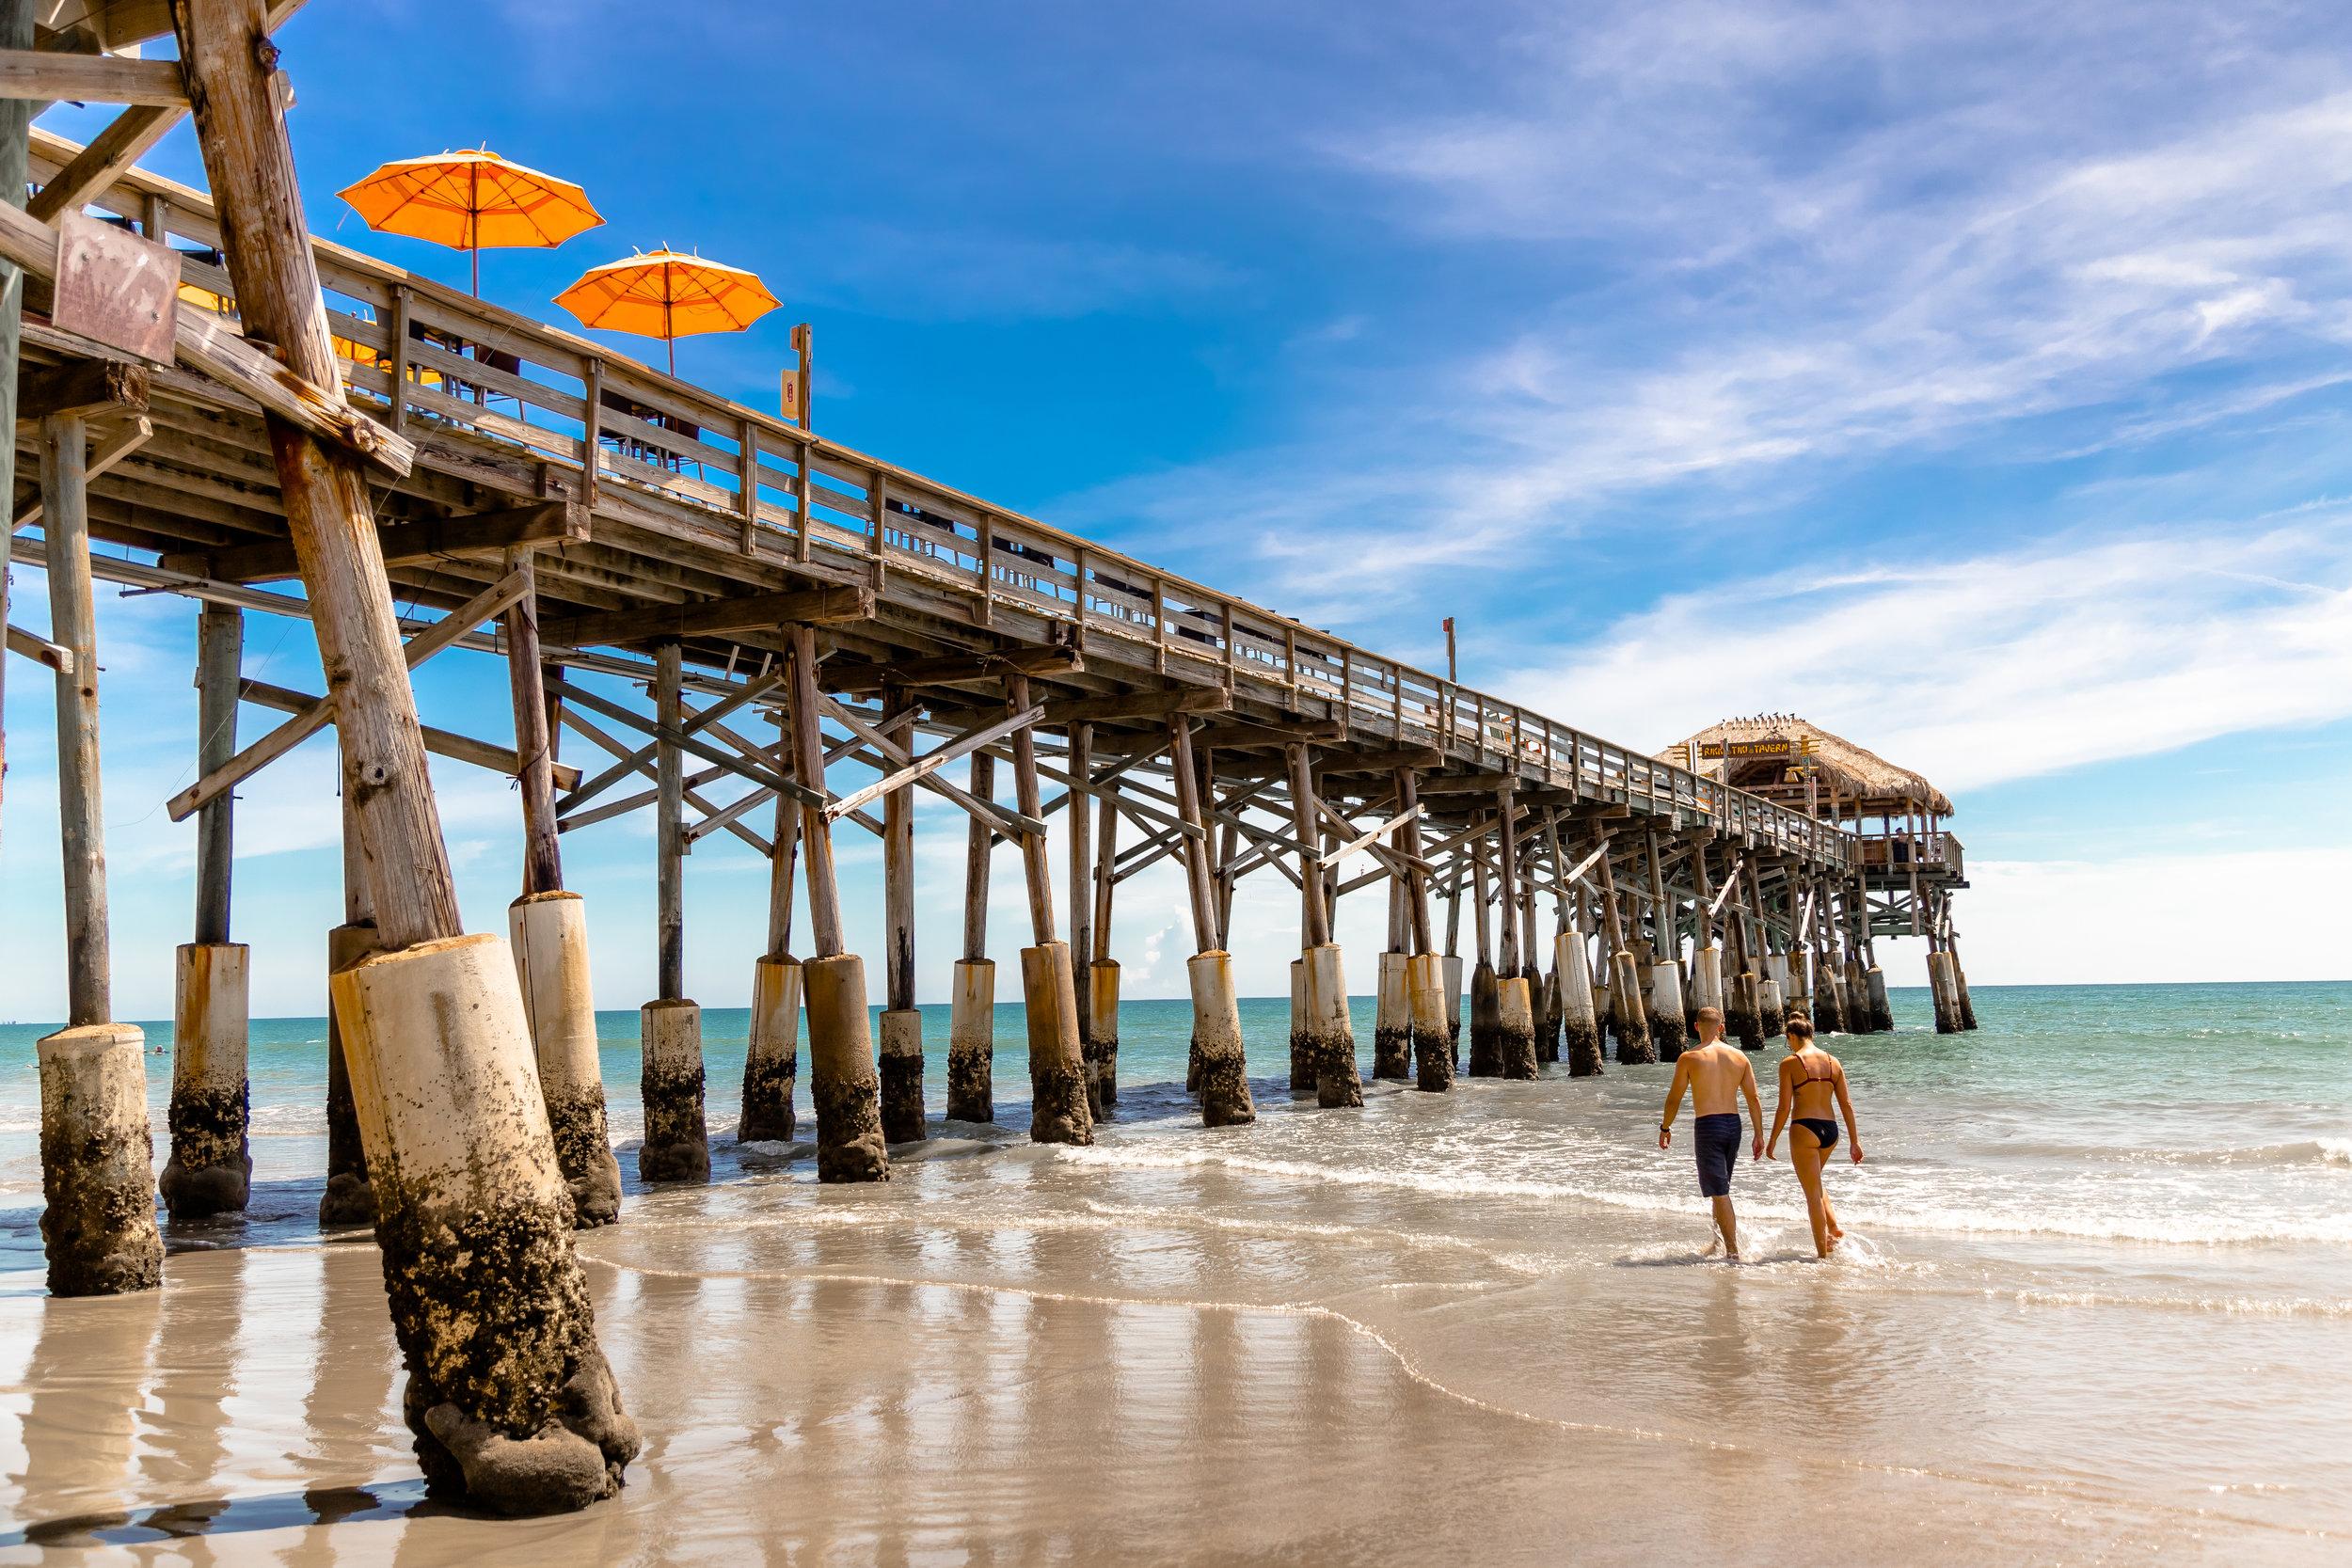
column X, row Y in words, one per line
column 1975, row 669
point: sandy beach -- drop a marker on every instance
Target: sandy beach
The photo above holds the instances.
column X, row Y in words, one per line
column 1476, row 1324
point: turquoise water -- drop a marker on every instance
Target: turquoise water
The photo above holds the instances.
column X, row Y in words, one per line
column 2193, row 1113
column 2098, row 1261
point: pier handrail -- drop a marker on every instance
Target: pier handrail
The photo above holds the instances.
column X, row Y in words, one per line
column 771, row 487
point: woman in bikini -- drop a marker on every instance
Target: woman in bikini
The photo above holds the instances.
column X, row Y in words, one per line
column 1810, row 1079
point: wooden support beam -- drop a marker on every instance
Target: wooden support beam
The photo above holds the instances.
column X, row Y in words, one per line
column 975, row 855
column 931, row 762
column 1065, row 711
column 110, row 154
column 1314, row 928
column 80, row 812
column 1038, row 875
column 1383, row 762
column 41, row 650
column 677, row 735
column 1507, row 877
column 669, row 842
column 887, row 751
column 1355, row 845
column 82, row 388
column 1470, row 784
column 1080, row 756
column 1237, row 736
column 133, row 434
column 1196, row 843
column 708, row 617
column 580, row 794
column 824, row 889
column 784, row 859
column 445, row 743
column 41, row 74
column 535, row 771
column 959, row 668
column 479, row 533
column 491, row 601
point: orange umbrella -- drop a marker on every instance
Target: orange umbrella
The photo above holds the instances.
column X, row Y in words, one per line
column 469, row 200
column 666, row 296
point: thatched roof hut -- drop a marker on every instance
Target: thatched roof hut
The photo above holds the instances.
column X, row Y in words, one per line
column 1769, row 755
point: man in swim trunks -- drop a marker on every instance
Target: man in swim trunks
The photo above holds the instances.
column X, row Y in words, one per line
column 1717, row 1075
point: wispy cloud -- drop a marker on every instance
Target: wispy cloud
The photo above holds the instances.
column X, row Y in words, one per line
column 1789, row 238
column 1976, row 669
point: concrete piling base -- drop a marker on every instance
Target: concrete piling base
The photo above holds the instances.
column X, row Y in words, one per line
column 549, row 932
column 1743, row 1015
column 771, row 1056
column 1515, row 1027
column 1578, row 1024
column 1485, row 1059
column 676, row 1147
column 1708, row 988
column 1771, row 1015
column 1217, row 1035
column 972, row 1041
column 1669, row 1026
column 1392, row 1020
column 1857, row 999
column 348, row 1199
column 1874, row 997
column 1943, row 993
column 1302, row 1058
column 1101, row 1036
column 1629, row 1019
column 1330, row 1035
column 509, row 1396
column 842, row 1082
column 211, row 1170
column 903, row 1076
column 1432, row 1035
column 1452, row 965
column 1057, row 1074
column 96, row 1163
column 1829, row 1000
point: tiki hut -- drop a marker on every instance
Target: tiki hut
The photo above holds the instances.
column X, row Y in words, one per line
column 1799, row 764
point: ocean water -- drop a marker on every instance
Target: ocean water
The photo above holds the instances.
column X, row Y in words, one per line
column 2097, row 1291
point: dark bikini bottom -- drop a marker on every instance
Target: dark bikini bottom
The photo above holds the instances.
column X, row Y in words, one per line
column 1824, row 1131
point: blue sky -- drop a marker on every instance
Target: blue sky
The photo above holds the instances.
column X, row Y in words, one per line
column 1974, row 380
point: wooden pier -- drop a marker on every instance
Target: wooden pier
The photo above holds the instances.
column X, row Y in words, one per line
column 724, row 619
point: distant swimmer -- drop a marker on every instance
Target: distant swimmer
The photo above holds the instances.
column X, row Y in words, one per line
column 1717, row 1075
column 1810, row 1078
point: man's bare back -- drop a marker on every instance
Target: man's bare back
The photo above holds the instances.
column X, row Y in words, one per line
column 1718, row 1073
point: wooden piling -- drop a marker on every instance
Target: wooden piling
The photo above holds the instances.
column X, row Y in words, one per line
column 1059, row 1108
column 211, row 1167
column 676, row 1145
column 843, row 1085
column 98, row 1225
column 1224, row 1082
column 771, row 1054
column 902, row 1020
column 972, row 1007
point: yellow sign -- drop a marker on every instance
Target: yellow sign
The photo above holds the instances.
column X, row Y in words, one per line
column 1738, row 748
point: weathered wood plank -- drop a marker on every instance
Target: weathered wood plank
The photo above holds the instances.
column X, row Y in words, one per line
column 402, row 544
column 708, row 617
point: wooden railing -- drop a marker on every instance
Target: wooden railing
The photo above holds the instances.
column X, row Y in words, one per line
column 638, row 443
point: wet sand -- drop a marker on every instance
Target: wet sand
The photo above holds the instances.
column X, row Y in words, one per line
column 1161, row 1351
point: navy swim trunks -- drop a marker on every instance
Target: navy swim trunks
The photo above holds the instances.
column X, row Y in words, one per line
column 1716, row 1140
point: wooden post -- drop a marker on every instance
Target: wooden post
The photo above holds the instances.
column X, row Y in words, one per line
column 1668, row 1028
column 1081, row 873
column 972, row 1019
column 1515, row 1001
column 676, row 1146
column 1101, row 1000
column 901, row 1021
column 98, row 1227
column 211, row 1167
column 1060, row 1110
column 1485, row 1057
column 219, row 665
column 543, row 857
column 1628, row 1014
column 16, row 119
column 772, row 1056
column 1314, row 926
column 1224, row 1082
